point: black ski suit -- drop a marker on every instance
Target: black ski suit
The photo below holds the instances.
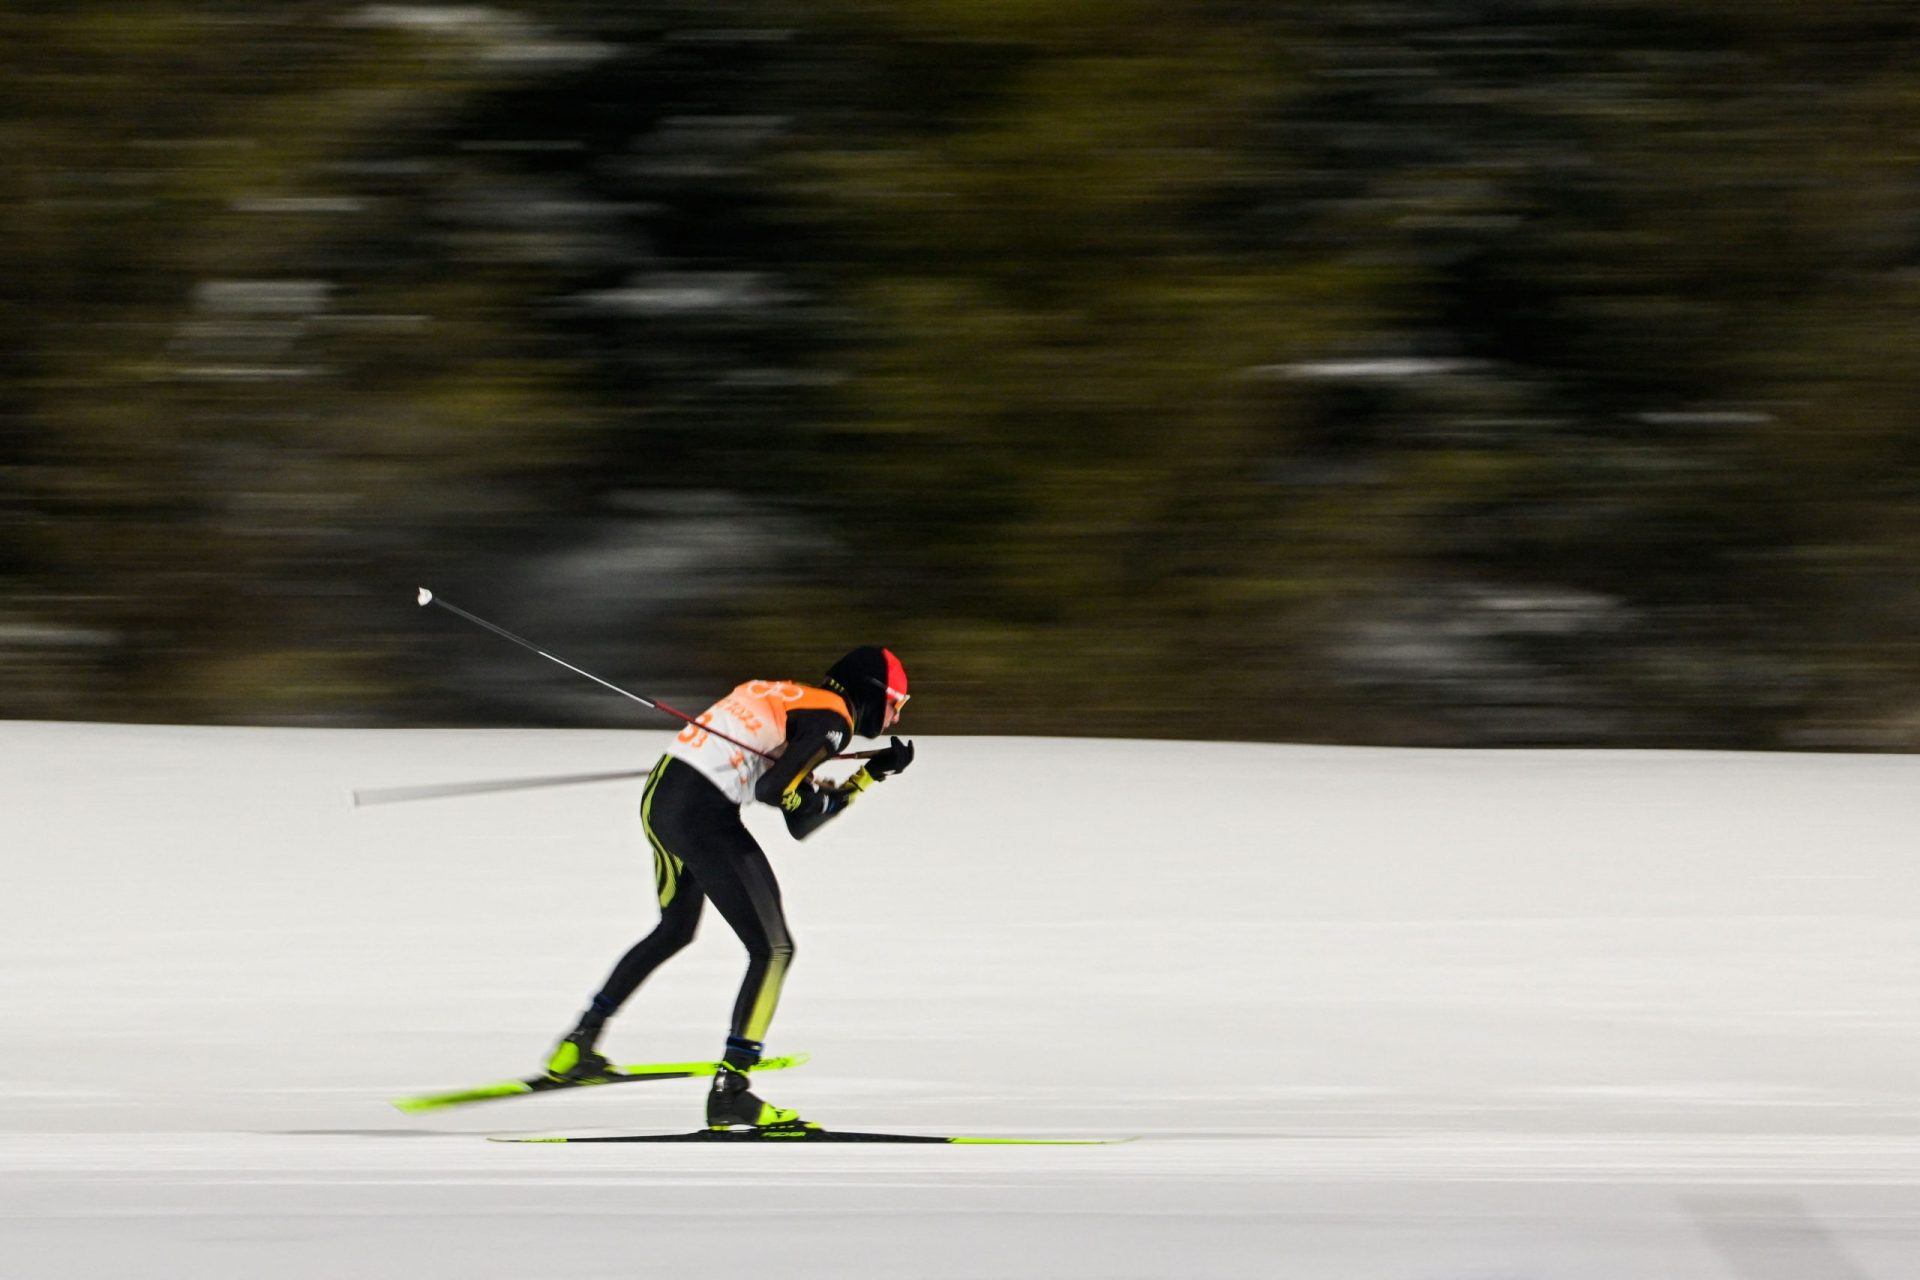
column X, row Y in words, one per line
column 702, row 852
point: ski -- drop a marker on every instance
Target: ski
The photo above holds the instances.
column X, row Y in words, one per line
column 545, row 1084
column 820, row 1135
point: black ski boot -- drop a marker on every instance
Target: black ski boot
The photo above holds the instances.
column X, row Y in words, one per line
column 575, row 1060
column 731, row 1105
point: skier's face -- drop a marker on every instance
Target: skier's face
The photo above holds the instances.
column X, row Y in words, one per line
column 895, row 686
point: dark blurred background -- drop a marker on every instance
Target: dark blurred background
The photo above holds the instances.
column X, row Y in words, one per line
column 1442, row 372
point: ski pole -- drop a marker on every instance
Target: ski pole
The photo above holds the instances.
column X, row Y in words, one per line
column 435, row 791
column 364, row 796
column 427, row 597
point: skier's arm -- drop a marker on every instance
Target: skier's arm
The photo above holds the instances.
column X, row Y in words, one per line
column 808, row 814
column 813, row 738
column 811, row 806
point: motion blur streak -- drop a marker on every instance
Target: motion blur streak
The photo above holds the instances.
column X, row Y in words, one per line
column 1451, row 373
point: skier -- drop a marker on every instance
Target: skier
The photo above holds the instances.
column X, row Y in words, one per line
column 703, row 852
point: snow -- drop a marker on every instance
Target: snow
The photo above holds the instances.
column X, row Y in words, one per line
column 1374, row 1015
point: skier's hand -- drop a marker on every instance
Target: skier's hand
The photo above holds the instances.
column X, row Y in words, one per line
column 890, row 760
column 808, row 806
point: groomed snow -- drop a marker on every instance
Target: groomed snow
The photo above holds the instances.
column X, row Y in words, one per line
column 1375, row 1015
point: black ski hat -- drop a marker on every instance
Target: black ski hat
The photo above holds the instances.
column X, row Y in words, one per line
column 869, row 679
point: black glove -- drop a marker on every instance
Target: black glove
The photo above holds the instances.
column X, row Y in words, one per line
column 888, row 761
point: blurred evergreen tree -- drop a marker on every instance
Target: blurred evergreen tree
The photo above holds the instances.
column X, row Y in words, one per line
column 1476, row 371
column 247, row 404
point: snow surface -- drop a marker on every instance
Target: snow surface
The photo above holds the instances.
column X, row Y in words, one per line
column 1375, row 1015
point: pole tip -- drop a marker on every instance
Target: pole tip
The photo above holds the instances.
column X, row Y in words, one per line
column 425, row 597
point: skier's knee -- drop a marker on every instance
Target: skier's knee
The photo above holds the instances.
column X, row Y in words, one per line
column 674, row 935
column 776, row 951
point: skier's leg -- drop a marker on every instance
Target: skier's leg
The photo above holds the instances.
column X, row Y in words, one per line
column 704, row 849
column 678, row 891
column 741, row 886
column 747, row 896
column 680, row 902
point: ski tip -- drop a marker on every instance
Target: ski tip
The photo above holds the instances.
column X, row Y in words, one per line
column 434, row 1101
column 1042, row 1142
column 497, row 1138
column 425, row 597
column 704, row 1067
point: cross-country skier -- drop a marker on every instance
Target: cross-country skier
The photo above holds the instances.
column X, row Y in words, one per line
column 703, row 852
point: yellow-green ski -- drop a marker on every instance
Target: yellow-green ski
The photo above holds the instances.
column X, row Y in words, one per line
column 547, row 1084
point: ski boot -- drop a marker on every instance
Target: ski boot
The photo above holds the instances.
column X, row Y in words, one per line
column 731, row 1105
column 575, row 1061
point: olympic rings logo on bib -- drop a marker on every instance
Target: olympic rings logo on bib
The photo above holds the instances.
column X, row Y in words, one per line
column 784, row 690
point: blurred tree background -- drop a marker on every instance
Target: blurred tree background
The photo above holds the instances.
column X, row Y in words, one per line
column 1478, row 372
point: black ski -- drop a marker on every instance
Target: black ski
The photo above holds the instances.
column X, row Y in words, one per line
column 808, row 1134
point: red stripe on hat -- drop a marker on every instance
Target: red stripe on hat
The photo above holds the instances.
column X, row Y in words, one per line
column 896, row 674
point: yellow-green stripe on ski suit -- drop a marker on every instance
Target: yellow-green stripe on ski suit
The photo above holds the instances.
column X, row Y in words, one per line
column 666, row 867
